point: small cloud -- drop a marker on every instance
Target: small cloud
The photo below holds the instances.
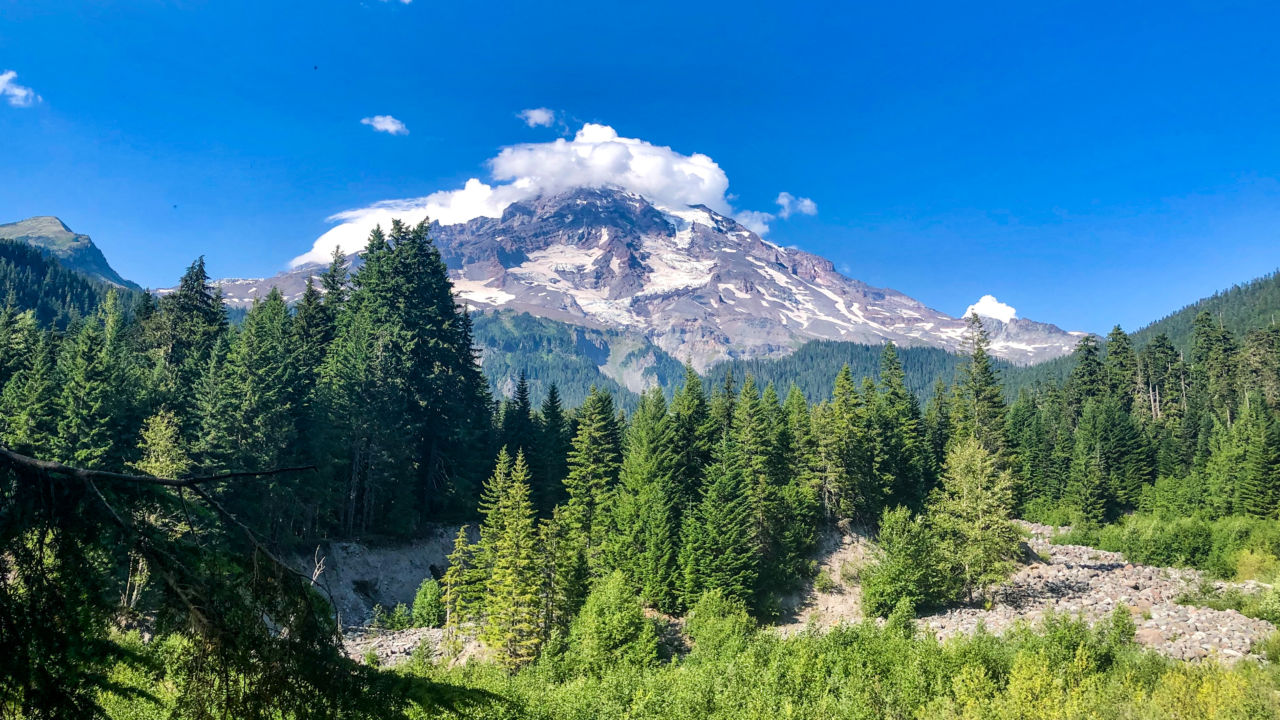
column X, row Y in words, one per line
column 538, row 117
column 990, row 307
column 790, row 204
column 755, row 221
column 845, row 269
column 386, row 124
column 16, row 95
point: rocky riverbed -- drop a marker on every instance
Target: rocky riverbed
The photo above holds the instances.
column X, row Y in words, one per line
column 1079, row 580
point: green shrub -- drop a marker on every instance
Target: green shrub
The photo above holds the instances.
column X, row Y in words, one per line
column 824, row 584
column 719, row 626
column 1256, row 565
column 611, row 630
column 398, row 619
column 428, row 605
column 906, row 567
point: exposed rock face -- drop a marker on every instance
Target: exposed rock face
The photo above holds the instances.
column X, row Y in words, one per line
column 73, row 250
column 1092, row 583
column 696, row 283
column 356, row 577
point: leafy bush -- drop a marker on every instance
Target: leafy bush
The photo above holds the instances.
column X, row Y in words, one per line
column 1256, row 565
column 1153, row 540
column 611, row 630
column 719, row 626
column 824, row 584
column 428, row 605
column 1233, row 546
column 399, row 619
column 907, row 567
column 1264, row 605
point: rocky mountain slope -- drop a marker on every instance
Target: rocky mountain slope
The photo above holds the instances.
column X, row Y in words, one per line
column 695, row 283
column 73, row 250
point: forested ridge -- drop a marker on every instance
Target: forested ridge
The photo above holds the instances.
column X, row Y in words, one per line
column 598, row 530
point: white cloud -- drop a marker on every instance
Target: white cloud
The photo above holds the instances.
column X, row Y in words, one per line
column 16, row 95
column 989, row 306
column 596, row 157
column 386, row 124
column 755, row 221
column 538, row 117
column 789, row 204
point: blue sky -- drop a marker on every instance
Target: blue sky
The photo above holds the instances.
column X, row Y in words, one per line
column 1087, row 163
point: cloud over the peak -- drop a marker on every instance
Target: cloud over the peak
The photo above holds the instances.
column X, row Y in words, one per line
column 538, row 117
column 989, row 306
column 15, row 94
column 789, row 204
column 386, row 124
column 596, row 157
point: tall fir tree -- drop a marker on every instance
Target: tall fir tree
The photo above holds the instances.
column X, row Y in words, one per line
column 691, row 439
column 594, row 459
column 552, row 453
column 1257, row 490
column 1120, row 368
column 84, row 428
column 719, row 549
column 512, row 628
column 30, row 403
column 646, row 534
column 970, row 515
column 979, row 401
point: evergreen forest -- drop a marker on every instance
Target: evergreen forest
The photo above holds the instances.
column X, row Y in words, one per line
column 617, row 557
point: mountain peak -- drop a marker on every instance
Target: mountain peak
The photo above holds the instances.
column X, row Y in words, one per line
column 694, row 282
column 73, row 250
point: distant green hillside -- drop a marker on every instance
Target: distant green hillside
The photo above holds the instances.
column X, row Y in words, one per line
column 571, row 356
column 813, row 367
column 575, row 358
column 1241, row 308
column 31, row 280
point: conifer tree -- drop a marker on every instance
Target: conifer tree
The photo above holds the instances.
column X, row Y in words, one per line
column 30, row 403
column 979, row 407
column 262, row 378
column 971, row 516
column 757, row 460
column 1121, row 369
column 902, row 455
column 719, row 550
column 565, row 579
column 463, row 590
column 720, row 412
column 512, row 627
column 594, row 458
column 1088, row 379
column 333, row 282
column 552, row 453
column 186, row 328
column 84, row 429
column 1212, row 378
column 937, row 425
column 1256, row 492
column 216, row 407
column 517, row 418
column 161, row 445
column 645, row 538
column 690, row 438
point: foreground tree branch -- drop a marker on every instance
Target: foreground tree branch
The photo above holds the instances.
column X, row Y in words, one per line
column 24, row 462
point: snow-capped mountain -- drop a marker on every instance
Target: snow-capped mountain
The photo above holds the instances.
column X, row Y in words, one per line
column 698, row 284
